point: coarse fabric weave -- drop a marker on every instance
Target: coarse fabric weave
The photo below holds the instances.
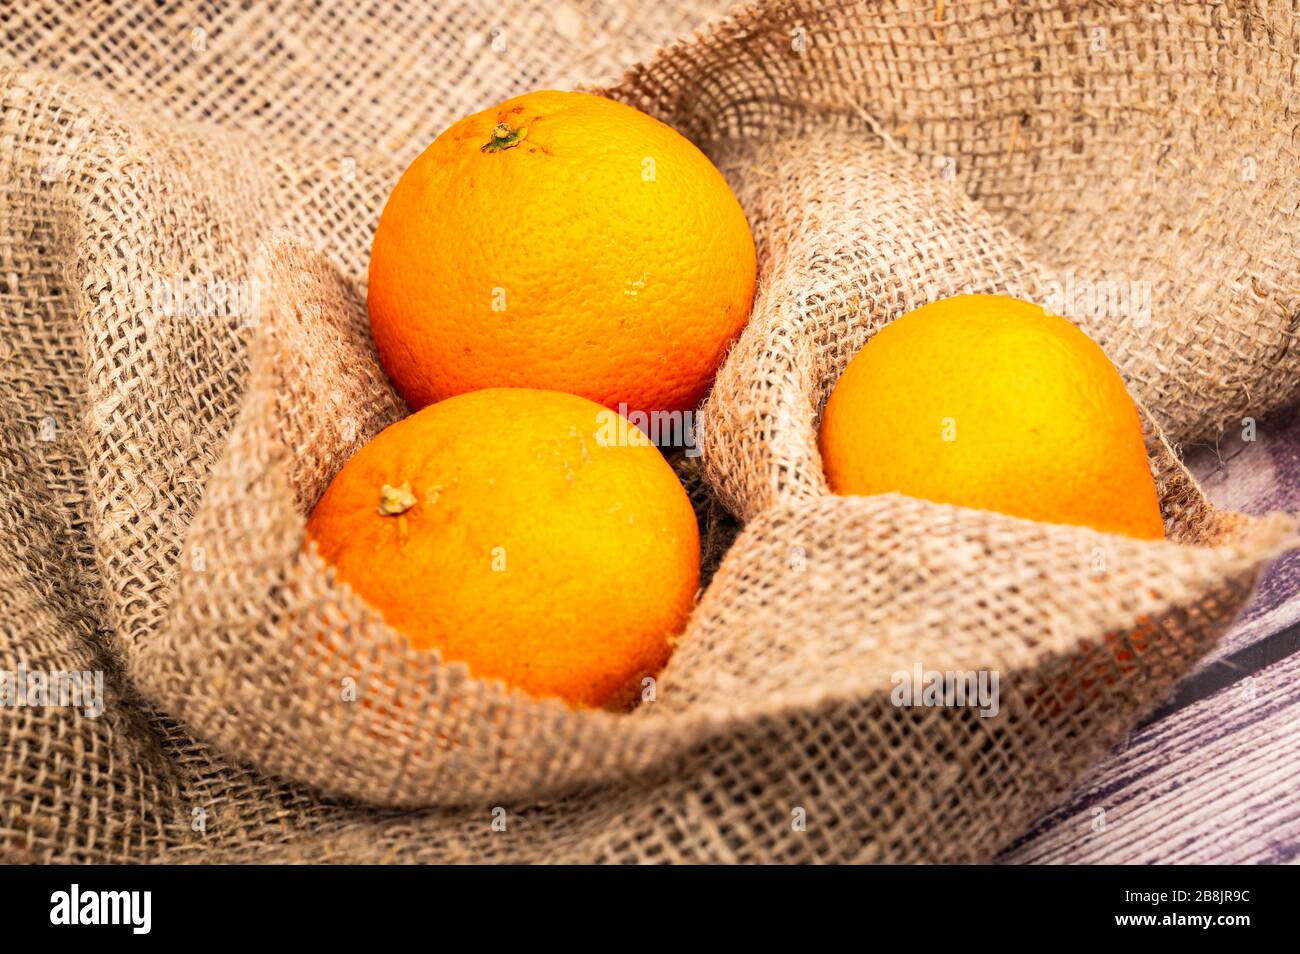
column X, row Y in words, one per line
column 190, row 192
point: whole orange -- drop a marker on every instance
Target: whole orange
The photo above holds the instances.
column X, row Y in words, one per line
column 562, row 241
column 990, row 402
column 533, row 535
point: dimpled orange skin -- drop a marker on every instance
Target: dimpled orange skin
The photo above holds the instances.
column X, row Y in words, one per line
column 531, row 551
column 602, row 254
column 1043, row 426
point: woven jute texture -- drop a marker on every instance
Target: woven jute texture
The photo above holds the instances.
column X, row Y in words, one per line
column 189, row 197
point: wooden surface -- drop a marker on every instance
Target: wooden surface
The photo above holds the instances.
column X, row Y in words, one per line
column 1214, row 775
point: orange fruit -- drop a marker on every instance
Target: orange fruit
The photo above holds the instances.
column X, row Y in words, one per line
column 533, row 535
column 561, row 241
column 1097, row 667
column 990, row 402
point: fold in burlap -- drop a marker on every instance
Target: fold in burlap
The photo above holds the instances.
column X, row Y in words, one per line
column 154, row 482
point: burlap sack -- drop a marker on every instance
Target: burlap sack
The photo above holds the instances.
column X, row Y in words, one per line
column 155, row 480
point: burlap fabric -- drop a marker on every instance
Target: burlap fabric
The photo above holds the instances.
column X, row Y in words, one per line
column 189, row 200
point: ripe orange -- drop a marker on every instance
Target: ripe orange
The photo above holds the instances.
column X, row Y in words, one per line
column 509, row 529
column 990, row 402
column 1093, row 670
column 563, row 241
